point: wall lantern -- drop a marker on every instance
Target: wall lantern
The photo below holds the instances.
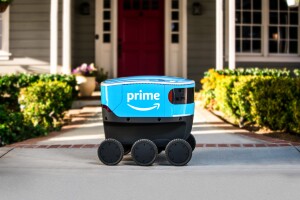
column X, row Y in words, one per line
column 197, row 8
column 292, row 3
column 84, row 8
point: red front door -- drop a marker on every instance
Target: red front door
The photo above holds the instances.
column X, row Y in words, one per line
column 141, row 37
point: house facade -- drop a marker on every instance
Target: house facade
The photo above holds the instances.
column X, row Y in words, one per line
column 135, row 37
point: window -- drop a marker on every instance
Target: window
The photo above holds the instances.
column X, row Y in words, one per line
column 266, row 28
column 107, row 21
column 283, row 28
column 175, row 21
column 248, row 26
column 4, row 35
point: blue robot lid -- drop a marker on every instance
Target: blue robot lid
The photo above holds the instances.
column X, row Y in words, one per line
column 165, row 80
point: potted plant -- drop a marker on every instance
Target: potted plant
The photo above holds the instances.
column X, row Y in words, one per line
column 86, row 78
column 4, row 4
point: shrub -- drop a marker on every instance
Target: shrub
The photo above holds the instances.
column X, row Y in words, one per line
column 222, row 95
column 40, row 115
column 297, row 72
column 45, row 103
column 10, row 85
column 13, row 128
column 268, row 101
column 240, row 98
column 255, row 72
column 208, row 88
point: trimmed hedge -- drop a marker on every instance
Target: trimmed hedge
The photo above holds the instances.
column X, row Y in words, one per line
column 14, row 128
column 297, row 72
column 10, row 85
column 44, row 99
column 44, row 103
column 256, row 72
column 268, row 101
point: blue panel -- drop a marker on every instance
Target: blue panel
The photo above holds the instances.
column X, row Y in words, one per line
column 142, row 100
column 145, row 96
column 111, row 96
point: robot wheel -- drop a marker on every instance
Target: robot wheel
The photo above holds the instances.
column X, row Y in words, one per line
column 110, row 152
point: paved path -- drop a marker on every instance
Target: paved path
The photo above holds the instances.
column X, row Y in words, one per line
column 86, row 129
column 229, row 163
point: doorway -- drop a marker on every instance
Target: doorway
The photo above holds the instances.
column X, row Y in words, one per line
column 140, row 37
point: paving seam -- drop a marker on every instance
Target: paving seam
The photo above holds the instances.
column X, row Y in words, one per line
column 1, row 156
column 297, row 148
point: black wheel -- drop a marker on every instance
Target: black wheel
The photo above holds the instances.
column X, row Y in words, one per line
column 179, row 152
column 192, row 141
column 127, row 149
column 144, row 152
column 110, row 152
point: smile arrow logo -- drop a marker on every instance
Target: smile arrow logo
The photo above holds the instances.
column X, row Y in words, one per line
column 156, row 105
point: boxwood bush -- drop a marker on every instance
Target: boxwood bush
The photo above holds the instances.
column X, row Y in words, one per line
column 267, row 99
column 14, row 128
column 44, row 100
column 10, row 85
column 44, row 103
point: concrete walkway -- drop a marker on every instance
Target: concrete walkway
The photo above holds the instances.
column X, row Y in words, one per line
column 229, row 163
column 86, row 129
column 217, row 142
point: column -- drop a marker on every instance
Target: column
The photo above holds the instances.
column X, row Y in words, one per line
column 219, row 35
column 231, row 39
column 66, row 37
column 53, row 36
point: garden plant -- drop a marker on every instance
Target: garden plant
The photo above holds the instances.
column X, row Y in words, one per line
column 267, row 98
column 33, row 105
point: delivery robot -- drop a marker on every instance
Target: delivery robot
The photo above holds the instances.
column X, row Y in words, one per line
column 146, row 115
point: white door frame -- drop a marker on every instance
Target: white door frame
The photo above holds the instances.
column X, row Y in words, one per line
column 175, row 54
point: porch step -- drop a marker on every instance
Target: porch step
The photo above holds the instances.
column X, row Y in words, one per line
column 94, row 100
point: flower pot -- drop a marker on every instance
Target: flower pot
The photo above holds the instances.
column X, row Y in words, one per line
column 86, row 84
column 3, row 7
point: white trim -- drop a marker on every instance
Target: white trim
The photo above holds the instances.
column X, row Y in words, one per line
column 226, row 30
column 231, row 34
column 4, row 55
column 106, row 54
column 176, row 53
column 184, row 36
column 271, row 58
column 219, row 35
column 98, row 32
column 53, row 36
column 265, row 23
column 4, row 51
column 66, row 36
column 114, row 37
column 167, row 36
